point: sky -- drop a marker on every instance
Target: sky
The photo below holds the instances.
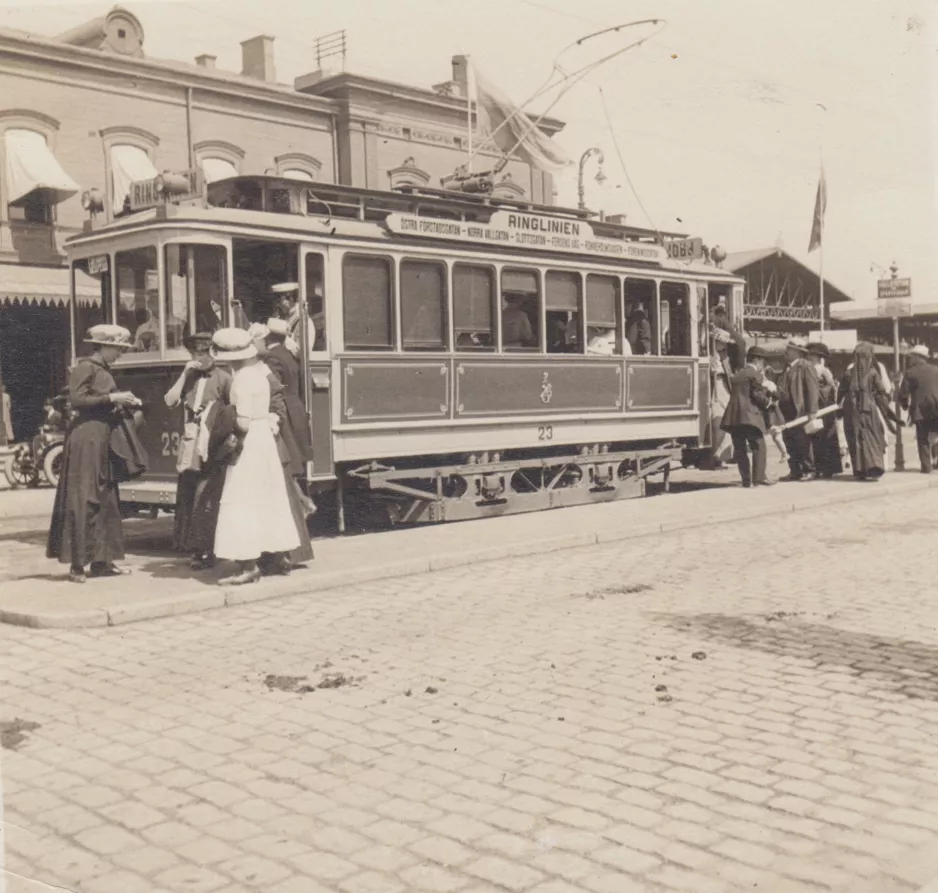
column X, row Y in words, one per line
column 720, row 119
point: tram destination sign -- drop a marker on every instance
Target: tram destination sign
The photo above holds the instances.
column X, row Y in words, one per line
column 149, row 194
column 684, row 249
column 526, row 231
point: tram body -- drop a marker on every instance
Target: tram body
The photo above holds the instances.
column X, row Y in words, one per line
column 414, row 401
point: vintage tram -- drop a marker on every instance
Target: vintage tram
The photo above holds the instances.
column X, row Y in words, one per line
column 421, row 396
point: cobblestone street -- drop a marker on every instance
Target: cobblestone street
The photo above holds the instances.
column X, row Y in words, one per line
column 750, row 707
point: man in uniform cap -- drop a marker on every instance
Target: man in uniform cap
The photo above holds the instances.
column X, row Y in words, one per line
column 798, row 396
column 919, row 394
column 744, row 418
column 287, row 307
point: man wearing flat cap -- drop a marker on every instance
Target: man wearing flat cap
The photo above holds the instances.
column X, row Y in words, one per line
column 825, row 443
column 798, row 396
column 744, row 418
column 919, row 395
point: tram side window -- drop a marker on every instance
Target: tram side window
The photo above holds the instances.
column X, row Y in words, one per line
column 196, row 278
column 316, row 300
column 521, row 310
column 92, row 299
column 603, row 310
column 368, row 302
column 138, row 301
column 676, row 338
column 563, row 304
column 423, row 305
column 641, row 316
column 474, row 307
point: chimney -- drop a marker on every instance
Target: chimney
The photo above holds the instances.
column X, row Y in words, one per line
column 257, row 58
column 461, row 74
column 205, row 60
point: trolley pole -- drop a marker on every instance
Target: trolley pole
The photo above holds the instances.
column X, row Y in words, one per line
column 897, row 365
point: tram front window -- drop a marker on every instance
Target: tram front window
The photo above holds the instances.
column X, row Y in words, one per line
column 92, row 296
column 260, row 265
column 138, row 300
column 196, row 286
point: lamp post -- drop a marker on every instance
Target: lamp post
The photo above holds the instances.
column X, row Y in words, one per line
column 900, row 449
column 600, row 176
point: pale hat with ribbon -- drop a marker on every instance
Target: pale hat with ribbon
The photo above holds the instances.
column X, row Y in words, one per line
column 106, row 335
column 798, row 344
column 920, row 350
column 285, row 288
column 278, row 327
column 258, row 330
column 233, row 344
column 721, row 336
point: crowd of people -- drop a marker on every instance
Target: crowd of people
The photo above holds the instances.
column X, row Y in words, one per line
column 244, row 448
column 822, row 426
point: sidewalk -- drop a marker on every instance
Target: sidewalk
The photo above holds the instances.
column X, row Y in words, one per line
column 34, row 591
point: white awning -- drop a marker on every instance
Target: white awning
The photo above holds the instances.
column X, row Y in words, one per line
column 49, row 285
column 30, row 165
column 129, row 164
column 295, row 174
column 217, row 169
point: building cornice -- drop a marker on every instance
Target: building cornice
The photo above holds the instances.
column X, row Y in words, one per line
column 177, row 74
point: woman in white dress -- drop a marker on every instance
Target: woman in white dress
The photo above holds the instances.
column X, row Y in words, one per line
column 254, row 515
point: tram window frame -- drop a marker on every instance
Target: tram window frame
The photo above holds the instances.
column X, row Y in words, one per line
column 513, row 294
column 316, row 304
column 390, row 303
column 152, row 294
column 440, row 305
column 652, row 317
column 617, row 314
column 94, row 314
column 257, row 264
column 574, row 322
column 185, row 256
column 683, row 318
column 459, row 303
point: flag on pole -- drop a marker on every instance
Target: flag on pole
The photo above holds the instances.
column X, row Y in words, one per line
column 820, row 207
column 510, row 129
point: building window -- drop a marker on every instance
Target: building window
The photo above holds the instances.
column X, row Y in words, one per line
column 130, row 152
column 423, row 305
column 34, row 181
column 214, row 169
column 474, row 297
column 297, row 166
column 408, row 174
column 521, row 309
column 563, row 297
column 368, row 302
column 219, row 160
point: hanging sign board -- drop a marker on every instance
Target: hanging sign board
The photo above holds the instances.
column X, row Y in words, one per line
column 98, row 264
column 510, row 229
column 895, row 297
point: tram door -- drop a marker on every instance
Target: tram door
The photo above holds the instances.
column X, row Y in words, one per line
column 318, row 365
column 703, row 367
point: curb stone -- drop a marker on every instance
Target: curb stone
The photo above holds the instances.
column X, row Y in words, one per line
column 229, row 597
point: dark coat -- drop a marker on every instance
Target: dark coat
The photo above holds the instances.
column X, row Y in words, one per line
column 798, row 390
column 295, row 427
column 919, row 390
column 748, row 401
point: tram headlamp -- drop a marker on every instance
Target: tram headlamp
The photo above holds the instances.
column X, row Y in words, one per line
column 171, row 184
column 92, row 201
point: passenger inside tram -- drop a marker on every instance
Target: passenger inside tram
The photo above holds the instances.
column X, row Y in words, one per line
column 517, row 331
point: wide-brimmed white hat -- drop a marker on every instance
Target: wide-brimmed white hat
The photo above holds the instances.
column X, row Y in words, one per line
column 278, row 327
column 258, row 330
column 105, row 335
column 285, row 288
column 920, row 350
column 233, row 344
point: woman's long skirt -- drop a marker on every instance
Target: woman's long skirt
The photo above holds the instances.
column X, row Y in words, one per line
column 255, row 514
column 866, row 440
column 86, row 520
column 827, row 449
column 198, row 497
column 304, row 552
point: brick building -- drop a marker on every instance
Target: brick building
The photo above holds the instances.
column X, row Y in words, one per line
column 89, row 110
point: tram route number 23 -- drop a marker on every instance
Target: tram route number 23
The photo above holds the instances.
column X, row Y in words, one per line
column 170, row 441
column 545, row 432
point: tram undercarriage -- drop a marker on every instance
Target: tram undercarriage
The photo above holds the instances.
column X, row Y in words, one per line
column 488, row 484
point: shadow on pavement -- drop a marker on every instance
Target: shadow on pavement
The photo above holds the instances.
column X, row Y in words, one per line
column 910, row 668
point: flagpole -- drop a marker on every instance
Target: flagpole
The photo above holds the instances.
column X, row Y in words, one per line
column 469, row 82
column 822, row 197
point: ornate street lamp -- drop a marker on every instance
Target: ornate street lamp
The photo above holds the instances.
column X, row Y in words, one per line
column 600, row 176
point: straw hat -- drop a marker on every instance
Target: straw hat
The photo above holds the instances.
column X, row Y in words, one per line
column 285, row 288
column 258, row 330
column 920, row 350
column 233, row 344
column 798, row 344
column 278, row 327
column 105, row 335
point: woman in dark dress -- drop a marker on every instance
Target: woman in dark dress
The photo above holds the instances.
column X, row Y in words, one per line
column 200, row 485
column 825, row 442
column 861, row 391
column 86, row 519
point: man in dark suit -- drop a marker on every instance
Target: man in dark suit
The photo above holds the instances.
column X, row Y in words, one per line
column 798, row 396
column 919, row 394
column 744, row 418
